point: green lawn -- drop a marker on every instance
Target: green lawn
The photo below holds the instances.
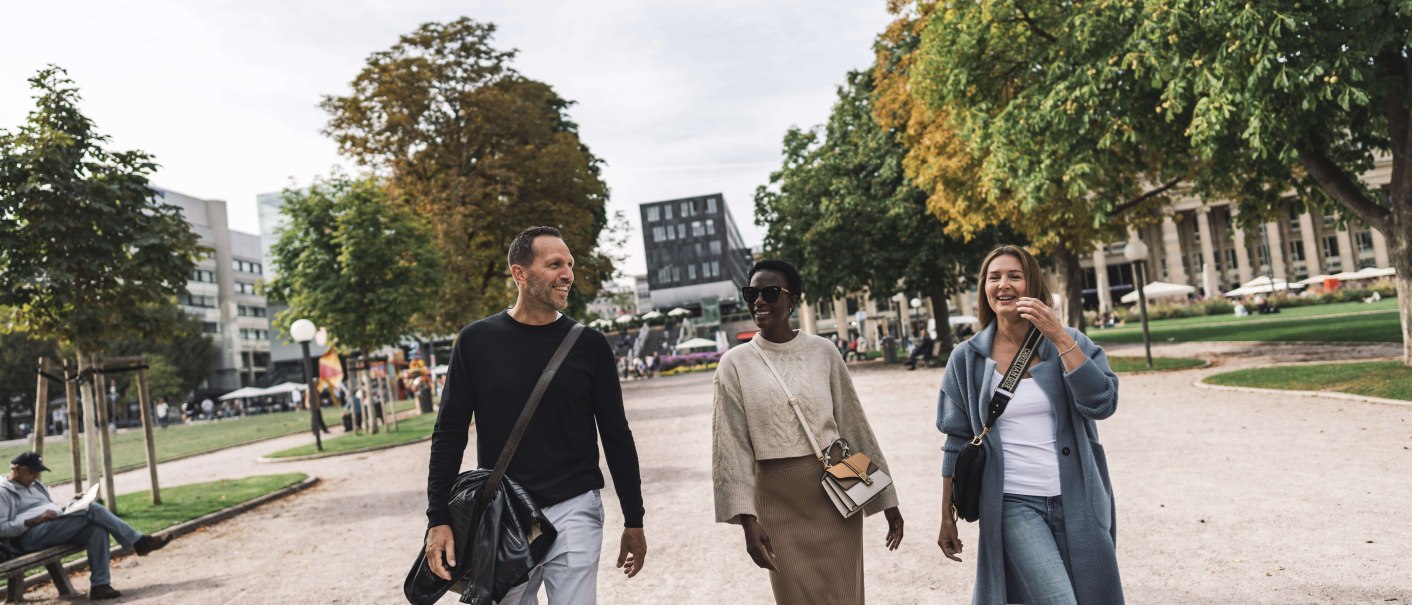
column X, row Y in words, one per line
column 182, row 503
column 1139, row 364
column 184, row 439
column 408, row 430
column 1387, row 379
column 1319, row 323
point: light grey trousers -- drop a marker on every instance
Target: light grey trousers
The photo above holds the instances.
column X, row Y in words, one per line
column 570, row 570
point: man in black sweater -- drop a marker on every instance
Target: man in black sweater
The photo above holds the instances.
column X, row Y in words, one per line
column 494, row 366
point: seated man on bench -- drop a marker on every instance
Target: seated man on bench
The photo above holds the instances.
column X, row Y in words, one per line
column 31, row 519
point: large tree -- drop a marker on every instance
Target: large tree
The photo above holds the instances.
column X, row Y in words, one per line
column 842, row 210
column 483, row 151
column 86, row 249
column 1006, row 83
column 1286, row 97
column 352, row 263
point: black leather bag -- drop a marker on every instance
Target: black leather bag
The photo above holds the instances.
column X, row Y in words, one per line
column 500, row 534
column 970, row 461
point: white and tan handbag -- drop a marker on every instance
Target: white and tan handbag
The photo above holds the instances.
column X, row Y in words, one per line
column 852, row 482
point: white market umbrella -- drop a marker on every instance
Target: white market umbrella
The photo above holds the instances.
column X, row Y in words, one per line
column 1159, row 289
column 242, row 393
column 697, row 343
column 1374, row 272
column 600, row 324
column 959, row 320
column 1347, row 276
column 652, row 315
column 626, row 319
column 1313, row 280
column 679, row 312
column 288, row 387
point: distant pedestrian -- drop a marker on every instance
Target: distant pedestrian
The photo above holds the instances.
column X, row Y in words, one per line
column 162, row 410
column 208, row 408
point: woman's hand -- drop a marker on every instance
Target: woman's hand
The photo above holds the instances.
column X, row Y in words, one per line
column 757, row 543
column 1044, row 319
column 949, row 542
column 894, row 527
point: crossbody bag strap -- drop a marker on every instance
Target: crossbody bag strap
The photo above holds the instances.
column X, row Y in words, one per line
column 1010, row 381
column 518, row 432
column 793, row 401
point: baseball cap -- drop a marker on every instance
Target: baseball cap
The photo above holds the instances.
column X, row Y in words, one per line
column 30, row 460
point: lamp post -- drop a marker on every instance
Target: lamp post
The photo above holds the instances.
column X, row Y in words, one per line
column 1136, row 252
column 303, row 331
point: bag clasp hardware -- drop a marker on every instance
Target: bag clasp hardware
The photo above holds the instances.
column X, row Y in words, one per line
column 976, row 441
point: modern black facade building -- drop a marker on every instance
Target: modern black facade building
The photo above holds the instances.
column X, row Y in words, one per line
column 694, row 252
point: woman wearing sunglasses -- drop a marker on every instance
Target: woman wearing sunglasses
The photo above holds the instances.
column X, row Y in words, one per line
column 765, row 472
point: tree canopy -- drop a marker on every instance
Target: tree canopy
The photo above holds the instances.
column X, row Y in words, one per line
column 842, row 210
column 352, row 263
column 481, row 150
column 85, row 247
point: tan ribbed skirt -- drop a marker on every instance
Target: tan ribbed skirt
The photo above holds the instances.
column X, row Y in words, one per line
column 818, row 552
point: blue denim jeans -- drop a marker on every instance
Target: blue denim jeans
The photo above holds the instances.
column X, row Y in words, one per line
column 92, row 528
column 1036, row 550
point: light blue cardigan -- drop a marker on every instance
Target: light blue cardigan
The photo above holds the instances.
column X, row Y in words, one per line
column 1087, row 394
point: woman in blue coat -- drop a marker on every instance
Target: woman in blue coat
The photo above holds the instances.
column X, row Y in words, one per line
column 1047, row 532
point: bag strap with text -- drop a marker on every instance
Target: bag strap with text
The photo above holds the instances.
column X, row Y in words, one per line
column 1010, row 381
column 518, row 432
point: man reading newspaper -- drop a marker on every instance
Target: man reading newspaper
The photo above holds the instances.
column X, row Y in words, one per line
column 32, row 521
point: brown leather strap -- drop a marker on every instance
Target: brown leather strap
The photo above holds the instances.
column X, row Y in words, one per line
column 545, row 377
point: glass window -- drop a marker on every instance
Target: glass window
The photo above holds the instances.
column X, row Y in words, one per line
column 691, row 271
column 710, row 226
column 667, row 210
column 1363, row 240
column 676, row 274
column 1330, row 246
column 711, row 205
column 653, row 214
column 1296, row 251
column 681, row 230
column 685, row 209
column 696, row 229
column 716, row 247
column 210, row 327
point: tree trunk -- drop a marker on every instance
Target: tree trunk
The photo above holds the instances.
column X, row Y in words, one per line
column 1071, row 308
column 943, row 322
column 1399, row 242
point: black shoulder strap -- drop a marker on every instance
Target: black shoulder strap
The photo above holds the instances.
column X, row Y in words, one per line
column 545, row 377
column 1006, row 390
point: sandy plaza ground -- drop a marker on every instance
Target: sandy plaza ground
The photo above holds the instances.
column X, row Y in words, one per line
column 1222, row 497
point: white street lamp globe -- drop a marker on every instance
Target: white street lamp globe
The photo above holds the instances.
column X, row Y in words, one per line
column 1135, row 250
column 302, row 330
column 916, row 303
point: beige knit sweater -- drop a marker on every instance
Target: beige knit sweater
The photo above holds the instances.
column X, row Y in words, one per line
column 754, row 421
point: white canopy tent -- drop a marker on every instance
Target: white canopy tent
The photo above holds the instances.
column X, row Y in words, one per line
column 1261, row 285
column 626, row 319
column 1313, row 280
column 1159, row 289
column 1375, row 272
column 288, row 387
column 652, row 315
column 679, row 312
column 242, row 393
column 696, row 343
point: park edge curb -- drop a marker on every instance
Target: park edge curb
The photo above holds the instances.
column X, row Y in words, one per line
column 1201, row 383
column 1205, row 363
column 182, row 529
column 364, row 450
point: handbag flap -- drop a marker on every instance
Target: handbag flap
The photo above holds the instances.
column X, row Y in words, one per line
column 857, row 467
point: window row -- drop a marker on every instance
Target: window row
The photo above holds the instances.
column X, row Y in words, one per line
column 254, row 334
column 200, row 300
column 245, row 266
column 687, row 208
column 672, row 274
column 249, row 311
column 662, row 233
column 205, row 276
column 244, row 287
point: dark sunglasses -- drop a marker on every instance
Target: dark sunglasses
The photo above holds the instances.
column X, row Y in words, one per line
column 771, row 294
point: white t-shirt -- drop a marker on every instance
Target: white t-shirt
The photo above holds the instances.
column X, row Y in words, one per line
column 1027, row 439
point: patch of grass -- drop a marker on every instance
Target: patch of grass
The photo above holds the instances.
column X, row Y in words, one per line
column 182, row 503
column 1139, row 364
column 1295, row 324
column 1387, row 379
column 408, row 430
column 179, row 439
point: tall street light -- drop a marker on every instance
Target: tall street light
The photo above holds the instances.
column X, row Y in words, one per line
column 303, row 331
column 1136, row 252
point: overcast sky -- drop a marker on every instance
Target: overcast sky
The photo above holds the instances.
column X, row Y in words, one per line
column 678, row 98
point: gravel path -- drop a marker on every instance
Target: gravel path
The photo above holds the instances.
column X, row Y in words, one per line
column 1223, row 497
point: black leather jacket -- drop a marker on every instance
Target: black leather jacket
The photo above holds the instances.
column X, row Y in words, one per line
column 496, row 548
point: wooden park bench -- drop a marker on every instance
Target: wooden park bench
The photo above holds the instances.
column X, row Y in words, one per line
column 50, row 558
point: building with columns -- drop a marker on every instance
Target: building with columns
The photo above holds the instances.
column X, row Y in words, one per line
column 1198, row 243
